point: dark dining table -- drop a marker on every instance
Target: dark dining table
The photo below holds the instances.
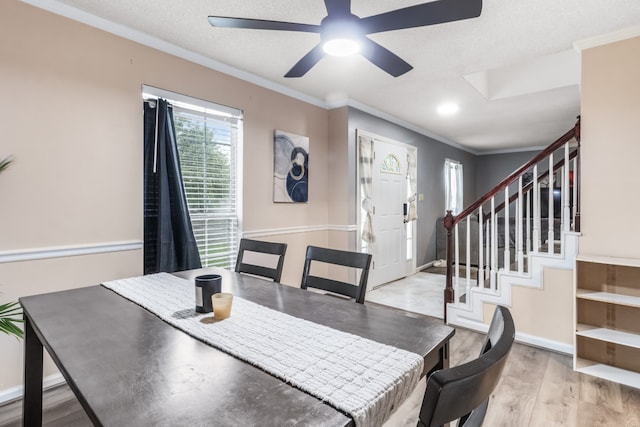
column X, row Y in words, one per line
column 128, row 367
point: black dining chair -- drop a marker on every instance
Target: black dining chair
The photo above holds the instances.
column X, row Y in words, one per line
column 356, row 260
column 463, row 392
column 248, row 245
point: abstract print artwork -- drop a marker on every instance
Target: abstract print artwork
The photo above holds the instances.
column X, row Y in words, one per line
column 291, row 168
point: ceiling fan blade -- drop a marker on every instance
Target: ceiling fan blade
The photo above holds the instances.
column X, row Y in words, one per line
column 338, row 7
column 307, row 62
column 384, row 58
column 420, row 15
column 261, row 24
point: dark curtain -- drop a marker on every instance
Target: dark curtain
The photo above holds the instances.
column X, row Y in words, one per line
column 169, row 243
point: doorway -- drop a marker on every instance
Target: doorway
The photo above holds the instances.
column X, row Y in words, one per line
column 383, row 214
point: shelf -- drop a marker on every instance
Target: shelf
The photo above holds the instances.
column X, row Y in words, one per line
column 608, row 297
column 609, row 335
column 607, row 372
column 609, row 260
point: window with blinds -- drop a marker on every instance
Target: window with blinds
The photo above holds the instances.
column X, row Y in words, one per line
column 207, row 146
column 209, row 140
column 453, row 186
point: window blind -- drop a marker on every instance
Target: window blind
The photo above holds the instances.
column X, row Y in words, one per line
column 207, row 146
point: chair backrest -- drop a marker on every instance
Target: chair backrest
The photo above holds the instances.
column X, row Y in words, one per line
column 463, row 392
column 278, row 249
column 358, row 260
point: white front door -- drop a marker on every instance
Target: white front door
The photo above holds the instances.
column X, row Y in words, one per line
column 389, row 193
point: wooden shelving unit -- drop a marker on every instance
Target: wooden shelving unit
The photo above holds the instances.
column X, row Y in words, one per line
column 607, row 339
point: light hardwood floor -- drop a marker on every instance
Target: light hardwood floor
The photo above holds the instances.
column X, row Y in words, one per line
column 538, row 388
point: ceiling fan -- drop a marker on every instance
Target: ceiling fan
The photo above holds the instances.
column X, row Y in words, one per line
column 342, row 28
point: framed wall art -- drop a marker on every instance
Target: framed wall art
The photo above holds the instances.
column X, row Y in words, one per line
column 291, row 168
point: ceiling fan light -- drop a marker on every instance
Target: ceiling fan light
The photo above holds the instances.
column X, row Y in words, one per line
column 341, row 47
column 448, row 108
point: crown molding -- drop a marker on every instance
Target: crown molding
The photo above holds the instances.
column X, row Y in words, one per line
column 612, row 37
column 511, row 150
column 390, row 118
column 128, row 33
column 67, row 11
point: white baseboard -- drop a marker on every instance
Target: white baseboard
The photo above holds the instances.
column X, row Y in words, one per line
column 534, row 341
column 522, row 338
column 427, row 265
column 15, row 393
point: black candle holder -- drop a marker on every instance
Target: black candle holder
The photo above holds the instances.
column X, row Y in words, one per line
column 206, row 286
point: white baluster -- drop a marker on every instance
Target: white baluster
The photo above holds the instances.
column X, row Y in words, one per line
column 488, row 252
column 480, row 249
column 519, row 227
column 566, row 192
column 575, row 193
column 529, row 202
column 457, row 261
column 550, row 219
column 507, row 239
column 468, row 258
column 536, row 211
column 494, row 244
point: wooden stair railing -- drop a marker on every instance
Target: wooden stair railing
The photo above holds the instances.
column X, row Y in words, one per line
column 528, row 187
column 490, row 218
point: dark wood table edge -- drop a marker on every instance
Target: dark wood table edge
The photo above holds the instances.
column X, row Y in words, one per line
column 34, row 342
column 443, row 361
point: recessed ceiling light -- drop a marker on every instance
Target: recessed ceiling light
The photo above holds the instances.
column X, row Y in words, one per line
column 341, row 47
column 448, row 108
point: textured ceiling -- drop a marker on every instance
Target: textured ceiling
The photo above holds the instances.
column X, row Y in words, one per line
column 519, row 54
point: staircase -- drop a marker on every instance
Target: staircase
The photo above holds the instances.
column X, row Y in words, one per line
column 528, row 222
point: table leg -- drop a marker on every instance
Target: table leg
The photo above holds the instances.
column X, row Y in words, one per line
column 444, row 356
column 442, row 361
column 32, row 402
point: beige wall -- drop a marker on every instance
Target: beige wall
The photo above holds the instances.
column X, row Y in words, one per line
column 546, row 313
column 610, row 150
column 72, row 119
column 339, row 165
column 34, row 277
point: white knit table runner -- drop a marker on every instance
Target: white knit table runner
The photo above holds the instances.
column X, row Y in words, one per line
column 363, row 378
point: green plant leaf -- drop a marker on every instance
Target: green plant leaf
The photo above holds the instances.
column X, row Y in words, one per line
column 4, row 163
column 10, row 318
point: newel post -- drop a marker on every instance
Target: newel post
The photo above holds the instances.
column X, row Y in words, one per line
column 448, row 290
column 577, row 184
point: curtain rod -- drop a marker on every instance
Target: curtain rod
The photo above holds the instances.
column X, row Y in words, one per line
column 190, row 102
